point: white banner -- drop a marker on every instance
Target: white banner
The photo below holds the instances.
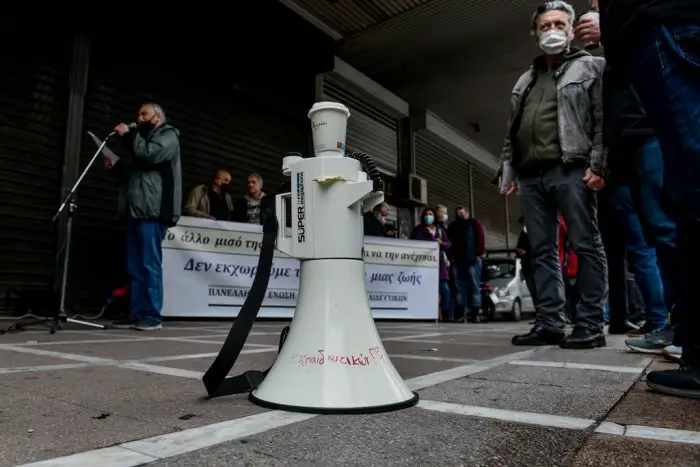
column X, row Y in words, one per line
column 208, row 269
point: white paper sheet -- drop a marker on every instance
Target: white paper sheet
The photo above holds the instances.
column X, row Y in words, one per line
column 106, row 152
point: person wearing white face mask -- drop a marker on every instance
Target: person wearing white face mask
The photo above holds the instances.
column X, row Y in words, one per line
column 554, row 151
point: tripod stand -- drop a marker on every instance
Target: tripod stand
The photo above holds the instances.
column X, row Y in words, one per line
column 61, row 316
column 69, row 201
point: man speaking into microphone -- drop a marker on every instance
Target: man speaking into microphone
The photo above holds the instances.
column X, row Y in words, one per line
column 149, row 201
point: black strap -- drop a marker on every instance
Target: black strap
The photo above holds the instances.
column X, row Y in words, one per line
column 215, row 380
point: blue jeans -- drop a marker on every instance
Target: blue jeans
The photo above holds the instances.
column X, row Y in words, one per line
column 468, row 284
column 144, row 263
column 641, row 257
column 445, row 299
column 664, row 67
column 653, row 206
column 606, row 311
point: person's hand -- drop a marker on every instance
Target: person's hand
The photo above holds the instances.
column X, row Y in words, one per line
column 593, row 181
column 121, row 129
column 107, row 162
column 439, row 241
column 520, row 252
column 588, row 30
column 390, row 233
column 511, row 189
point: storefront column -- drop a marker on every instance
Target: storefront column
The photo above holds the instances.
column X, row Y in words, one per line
column 77, row 87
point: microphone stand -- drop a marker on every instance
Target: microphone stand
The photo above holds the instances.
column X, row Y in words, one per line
column 61, row 316
column 69, row 201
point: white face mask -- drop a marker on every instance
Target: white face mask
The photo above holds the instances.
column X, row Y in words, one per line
column 554, row 42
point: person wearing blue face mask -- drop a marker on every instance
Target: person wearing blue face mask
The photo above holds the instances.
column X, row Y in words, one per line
column 441, row 215
column 429, row 230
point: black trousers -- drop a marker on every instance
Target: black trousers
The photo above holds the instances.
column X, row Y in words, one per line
column 615, row 250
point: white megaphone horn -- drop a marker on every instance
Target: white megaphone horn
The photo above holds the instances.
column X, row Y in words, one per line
column 333, row 360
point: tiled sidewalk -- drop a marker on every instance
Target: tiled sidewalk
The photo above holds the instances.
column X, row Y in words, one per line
column 483, row 403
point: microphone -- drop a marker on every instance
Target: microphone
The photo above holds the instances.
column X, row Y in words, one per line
column 131, row 125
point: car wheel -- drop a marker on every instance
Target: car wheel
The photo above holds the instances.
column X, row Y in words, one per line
column 517, row 313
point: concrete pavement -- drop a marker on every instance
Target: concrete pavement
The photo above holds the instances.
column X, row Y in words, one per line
column 123, row 398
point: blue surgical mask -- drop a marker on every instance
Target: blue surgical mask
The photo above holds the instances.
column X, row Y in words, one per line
column 445, row 218
column 429, row 219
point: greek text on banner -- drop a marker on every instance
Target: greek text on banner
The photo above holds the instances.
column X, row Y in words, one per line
column 209, row 266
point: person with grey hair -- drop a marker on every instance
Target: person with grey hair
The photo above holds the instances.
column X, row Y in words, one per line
column 375, row 222
column 441, row 216
column 255, row 205
column 149, row 200
column 554, row 152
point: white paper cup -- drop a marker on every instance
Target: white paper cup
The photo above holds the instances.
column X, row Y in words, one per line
column 329, row 124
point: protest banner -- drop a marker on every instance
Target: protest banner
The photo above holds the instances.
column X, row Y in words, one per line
column 208, row 269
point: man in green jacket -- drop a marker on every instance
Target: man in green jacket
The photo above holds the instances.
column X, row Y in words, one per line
column 554, row 151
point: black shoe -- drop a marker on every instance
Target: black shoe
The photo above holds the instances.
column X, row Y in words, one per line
column 642, row 330
column 583, row 338
column 622, row 328
column 684, row 382
column 475, row 316
column 538, row 336
column 127, row 323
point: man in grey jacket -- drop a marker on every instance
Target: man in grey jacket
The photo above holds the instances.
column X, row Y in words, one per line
column 149, row 200
column 554, row 148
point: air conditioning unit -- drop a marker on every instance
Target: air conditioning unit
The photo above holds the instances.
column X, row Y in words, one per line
column 418, row 189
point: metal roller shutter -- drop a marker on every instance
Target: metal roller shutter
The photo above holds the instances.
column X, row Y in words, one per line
column 33, row 110
column 447, row 174
column 369, row 130
column 489, row 208
column 218, row 129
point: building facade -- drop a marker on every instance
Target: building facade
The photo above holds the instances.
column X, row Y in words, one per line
column 239, row 94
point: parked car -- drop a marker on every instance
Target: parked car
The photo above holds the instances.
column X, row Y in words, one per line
column 504, row 291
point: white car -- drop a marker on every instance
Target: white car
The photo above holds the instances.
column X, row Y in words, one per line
column 505, row 290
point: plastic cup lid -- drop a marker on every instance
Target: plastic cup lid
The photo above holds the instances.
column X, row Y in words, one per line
column 328, row 106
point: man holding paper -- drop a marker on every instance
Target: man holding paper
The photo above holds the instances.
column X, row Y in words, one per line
column 554, row 149
column 149, row 201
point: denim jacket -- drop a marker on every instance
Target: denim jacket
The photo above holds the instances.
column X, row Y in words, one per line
column 580, row 115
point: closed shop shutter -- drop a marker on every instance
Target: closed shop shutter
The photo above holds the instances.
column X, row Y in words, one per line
column 219, row 129
column 489, row 208
column 369, row 129
column 33, row 111
column 446, row 173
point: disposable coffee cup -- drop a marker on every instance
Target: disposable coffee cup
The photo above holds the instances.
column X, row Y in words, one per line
column 595, row 16
column 329, row 124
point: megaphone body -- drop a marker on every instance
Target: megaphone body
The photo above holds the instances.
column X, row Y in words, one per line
column 333, row 360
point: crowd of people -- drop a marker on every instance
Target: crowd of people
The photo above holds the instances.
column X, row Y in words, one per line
column 604, row 151
column 462, row 247
column 607, row 149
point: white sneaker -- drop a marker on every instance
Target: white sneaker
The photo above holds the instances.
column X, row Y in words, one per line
column 672, row 353
column 148, row 327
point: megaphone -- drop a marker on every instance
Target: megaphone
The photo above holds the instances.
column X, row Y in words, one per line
column 332, row 360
